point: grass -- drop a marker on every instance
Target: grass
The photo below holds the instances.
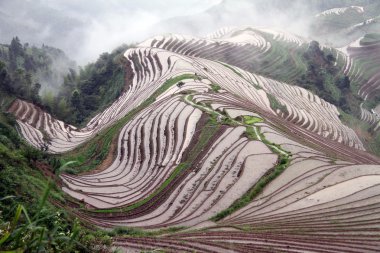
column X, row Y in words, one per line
column 208, row 131
column 231, row 68
column 178, row 170
column 137, row 232
column 215, row 87
column 252, row 134
column 251, row 120
column 92, row 153
column 276, row 105
column 28, row 221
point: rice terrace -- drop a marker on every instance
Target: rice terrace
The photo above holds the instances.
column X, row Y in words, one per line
column 245, row 126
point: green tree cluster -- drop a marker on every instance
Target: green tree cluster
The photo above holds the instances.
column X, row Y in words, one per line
column 324, row 79
column 90, row 90
column 21, row 67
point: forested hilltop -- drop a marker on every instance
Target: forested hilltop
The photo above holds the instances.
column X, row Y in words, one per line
column 25, row 69
column 46, row 77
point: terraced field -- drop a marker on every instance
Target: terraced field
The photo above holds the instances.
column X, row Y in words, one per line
column 362, row 65
column 235, row 161
column 269, row 52
column 339, row 11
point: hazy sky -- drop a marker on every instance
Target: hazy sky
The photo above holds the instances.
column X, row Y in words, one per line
column 83, row 28
column 86, row 28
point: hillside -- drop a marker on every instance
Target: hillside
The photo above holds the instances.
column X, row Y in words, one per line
column 201, row 146
column 253, row 126
column 296, row 15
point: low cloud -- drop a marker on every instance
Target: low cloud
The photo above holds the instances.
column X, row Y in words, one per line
column 84, row 29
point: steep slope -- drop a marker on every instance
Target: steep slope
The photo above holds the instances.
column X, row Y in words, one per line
column 207, row 145
column 272, row 53
column 340, row 26
column 362, row 65
column 153, row 66
column 253, row 49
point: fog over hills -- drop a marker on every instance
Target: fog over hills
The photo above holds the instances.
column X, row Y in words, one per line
column 294, row 16
column 78, row 27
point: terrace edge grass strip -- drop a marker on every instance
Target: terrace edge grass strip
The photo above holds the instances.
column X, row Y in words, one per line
column 282, row 164
column 204, row 139
column 89, row 155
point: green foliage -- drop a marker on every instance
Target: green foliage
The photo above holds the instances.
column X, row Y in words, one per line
column 324, row 79
column 282, row 163
column 251, row 120
column 92, row 153
column 137, row 232
column 215, row 87
column 29, row 223
column 34, row 233
column 23, row 67
column 275, row 104
column 372, row 101
column 251, row 133
column 91, row 90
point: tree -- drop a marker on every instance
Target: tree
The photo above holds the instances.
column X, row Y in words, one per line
column 343, row 83
column 76, row 100
column 16, row 47
column 35, row 93
column 5, row 81
column 15, row 50
column 330, row 58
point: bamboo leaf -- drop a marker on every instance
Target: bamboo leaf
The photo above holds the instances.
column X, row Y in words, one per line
column 17, row 217
column 4, row 238
column 7, row 197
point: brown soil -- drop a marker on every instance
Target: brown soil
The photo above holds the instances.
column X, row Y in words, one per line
column 107, row 162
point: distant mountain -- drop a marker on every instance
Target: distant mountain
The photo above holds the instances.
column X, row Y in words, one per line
column 295, row 16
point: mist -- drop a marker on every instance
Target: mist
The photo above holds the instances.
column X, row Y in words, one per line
column 85, row 29
column 292, row 16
